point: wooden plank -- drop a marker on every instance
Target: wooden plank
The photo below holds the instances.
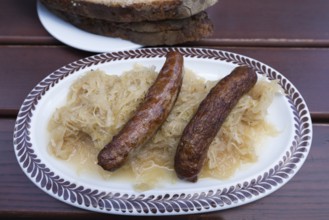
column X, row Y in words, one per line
column 236, row 23
column 19, row 24
column 305, row 196
column 22, row 67
column 268, row 23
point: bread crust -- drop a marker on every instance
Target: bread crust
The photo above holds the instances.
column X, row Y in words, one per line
column 150, row 33
column 133, row 12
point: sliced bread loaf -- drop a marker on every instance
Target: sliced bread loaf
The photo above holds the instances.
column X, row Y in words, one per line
column 147, row 33
column 130, row 10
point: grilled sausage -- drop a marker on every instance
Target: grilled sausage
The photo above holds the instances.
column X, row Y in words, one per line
column 201, row 130
column 149, row 116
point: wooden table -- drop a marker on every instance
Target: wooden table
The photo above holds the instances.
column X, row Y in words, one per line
column 289, row 35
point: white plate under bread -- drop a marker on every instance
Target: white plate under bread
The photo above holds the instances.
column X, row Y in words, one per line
column 79, row 39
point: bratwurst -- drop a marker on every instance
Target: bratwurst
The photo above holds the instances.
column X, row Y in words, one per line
column 201, row 130
column 149, row 116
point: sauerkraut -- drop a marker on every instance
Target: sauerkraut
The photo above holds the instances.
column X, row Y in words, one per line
column 98, row 105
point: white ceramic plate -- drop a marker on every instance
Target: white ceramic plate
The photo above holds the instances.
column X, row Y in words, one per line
column 77, row 38
column 279, row 158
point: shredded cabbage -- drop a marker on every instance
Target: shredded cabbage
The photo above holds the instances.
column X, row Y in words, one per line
column 98, row 105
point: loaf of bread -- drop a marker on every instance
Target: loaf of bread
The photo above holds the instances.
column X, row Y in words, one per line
column 145, row 22
column 131, row 10
column 148, row 33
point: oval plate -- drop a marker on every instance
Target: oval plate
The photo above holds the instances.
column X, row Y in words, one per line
column 278, row 159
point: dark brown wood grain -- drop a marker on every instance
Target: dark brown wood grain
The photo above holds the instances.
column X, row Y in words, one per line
column 266, row 23
column 305, row 196
column 19, row 23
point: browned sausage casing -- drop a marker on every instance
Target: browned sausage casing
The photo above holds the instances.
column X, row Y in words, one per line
column 201, row 130
column 149, row 116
